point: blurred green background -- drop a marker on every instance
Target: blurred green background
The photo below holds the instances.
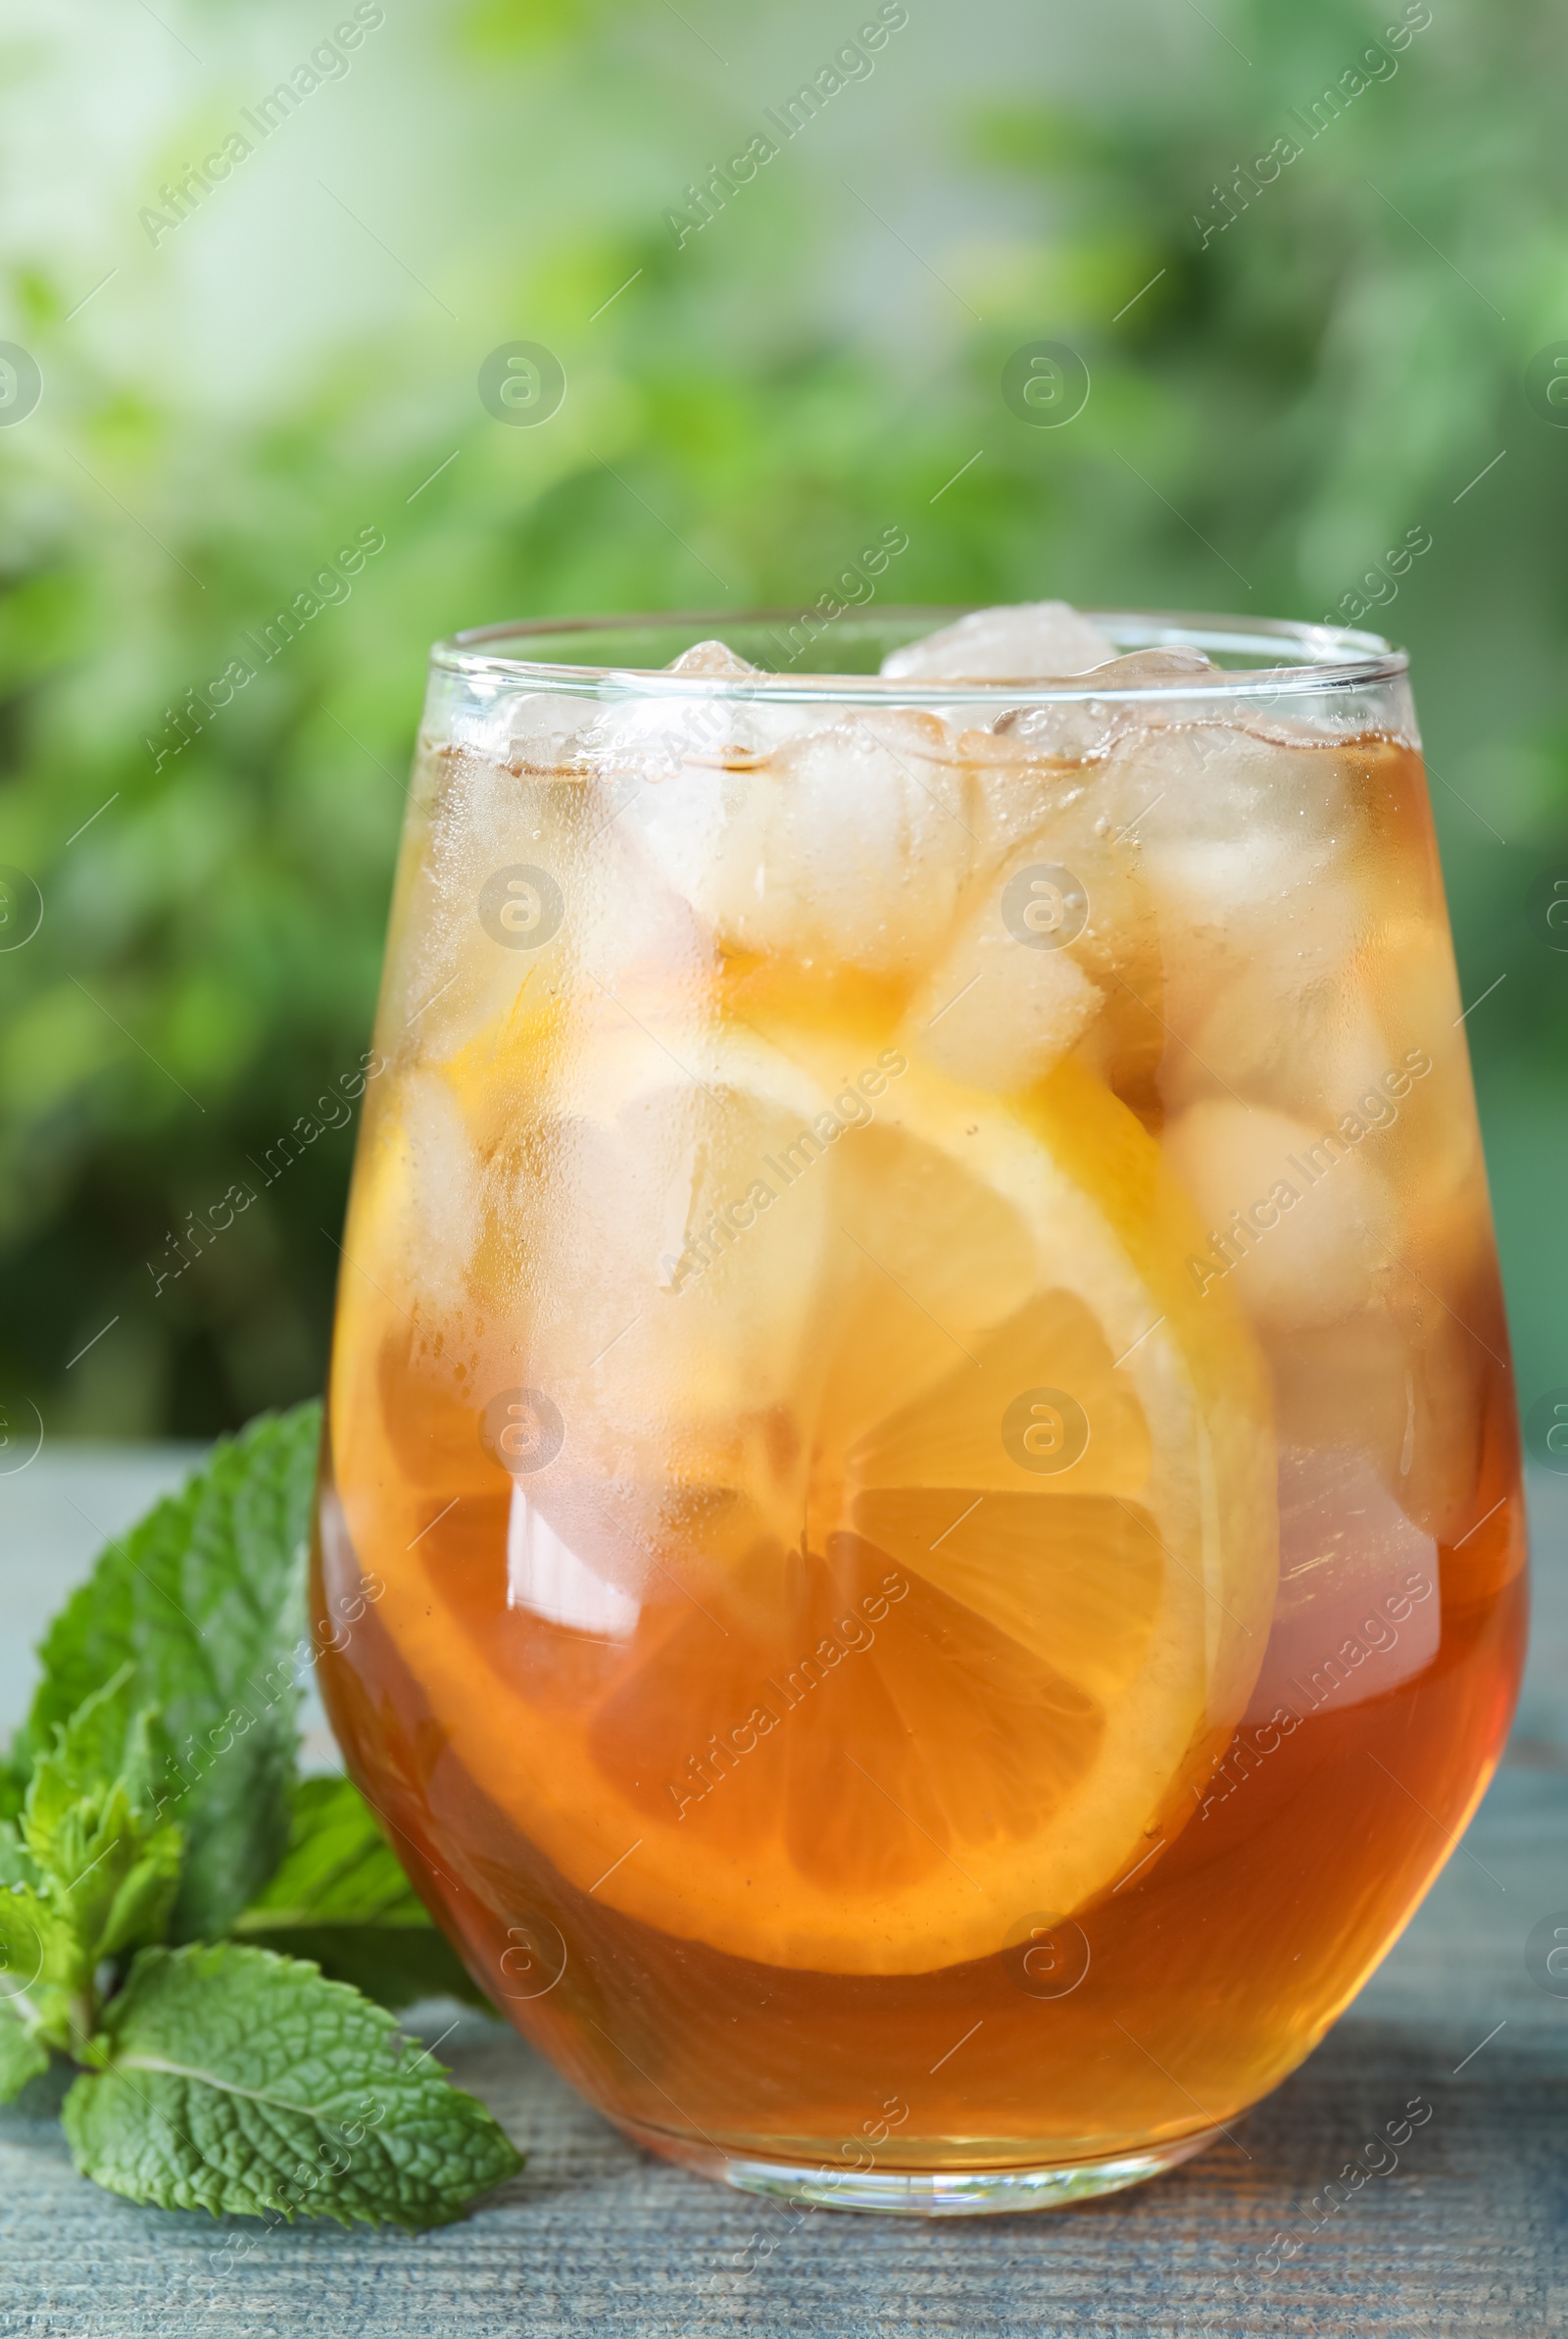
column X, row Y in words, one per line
column 296, row 359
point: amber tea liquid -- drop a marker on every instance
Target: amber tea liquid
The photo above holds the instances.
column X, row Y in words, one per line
column 921, row 1395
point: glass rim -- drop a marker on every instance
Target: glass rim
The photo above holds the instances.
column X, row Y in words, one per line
column 1328, row 658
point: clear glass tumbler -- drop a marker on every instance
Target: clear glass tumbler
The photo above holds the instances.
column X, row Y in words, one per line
column 920, row 1399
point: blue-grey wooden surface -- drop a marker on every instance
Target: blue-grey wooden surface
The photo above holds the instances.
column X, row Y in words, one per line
column 1467, row 2238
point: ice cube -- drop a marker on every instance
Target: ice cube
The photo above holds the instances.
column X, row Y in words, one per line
column 719, row 1237
column 1052, row 884
column 528, row 888
column 1229, row 819
column 646, row 738
column 543, row 732
column 1084, row 730
column 996, row 1014
column 632, row 735
column 710, row 658
column 847, row 845
column 1358, row 1610
column 429, row 1184
column 1249, row 844
column 1171, row 662
column 1278, row 1011
column 1028, row 641
column 1403, row 1380
column 676, row 1206
column 534, row 731
column 1300, row 1221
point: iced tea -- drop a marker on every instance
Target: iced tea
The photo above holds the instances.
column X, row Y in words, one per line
column 921, row 1391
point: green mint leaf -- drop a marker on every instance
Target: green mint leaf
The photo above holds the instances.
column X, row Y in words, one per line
column 93, row 1868
column 339, row 1864
column 22, row 2054
column 44, row 1978
column 237, row 2081
column 341, row 1898
column 91, row 1825
column 91, row 1745
column 395, row 1964
column 13, row 1772
column 204, row 1601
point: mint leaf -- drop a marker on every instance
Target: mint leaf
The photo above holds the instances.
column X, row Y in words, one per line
column 15, row 1770
column 89, row 1747
column 108, row 1863
column 22, row 2054
column 238, row 2081
column 92, row 1870
column 204, row 1601
column 395, row 1965
column 341, row 1900
column 339, row 1864
column 44, row 1978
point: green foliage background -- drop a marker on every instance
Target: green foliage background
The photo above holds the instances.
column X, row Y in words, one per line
column 294, row 360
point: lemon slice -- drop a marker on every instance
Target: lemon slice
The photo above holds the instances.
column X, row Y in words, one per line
column 899, row 1575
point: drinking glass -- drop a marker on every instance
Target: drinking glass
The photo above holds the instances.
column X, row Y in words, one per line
column 920, row 1405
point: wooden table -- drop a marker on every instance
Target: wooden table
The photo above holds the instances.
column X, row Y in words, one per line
column 1467, row 2238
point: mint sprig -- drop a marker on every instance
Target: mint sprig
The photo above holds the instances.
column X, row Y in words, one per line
column 204, row 1599
column 153, row 1798
column 22, row 2054
column 341, row 1898
column 231, row 2079
column 92, row 1867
